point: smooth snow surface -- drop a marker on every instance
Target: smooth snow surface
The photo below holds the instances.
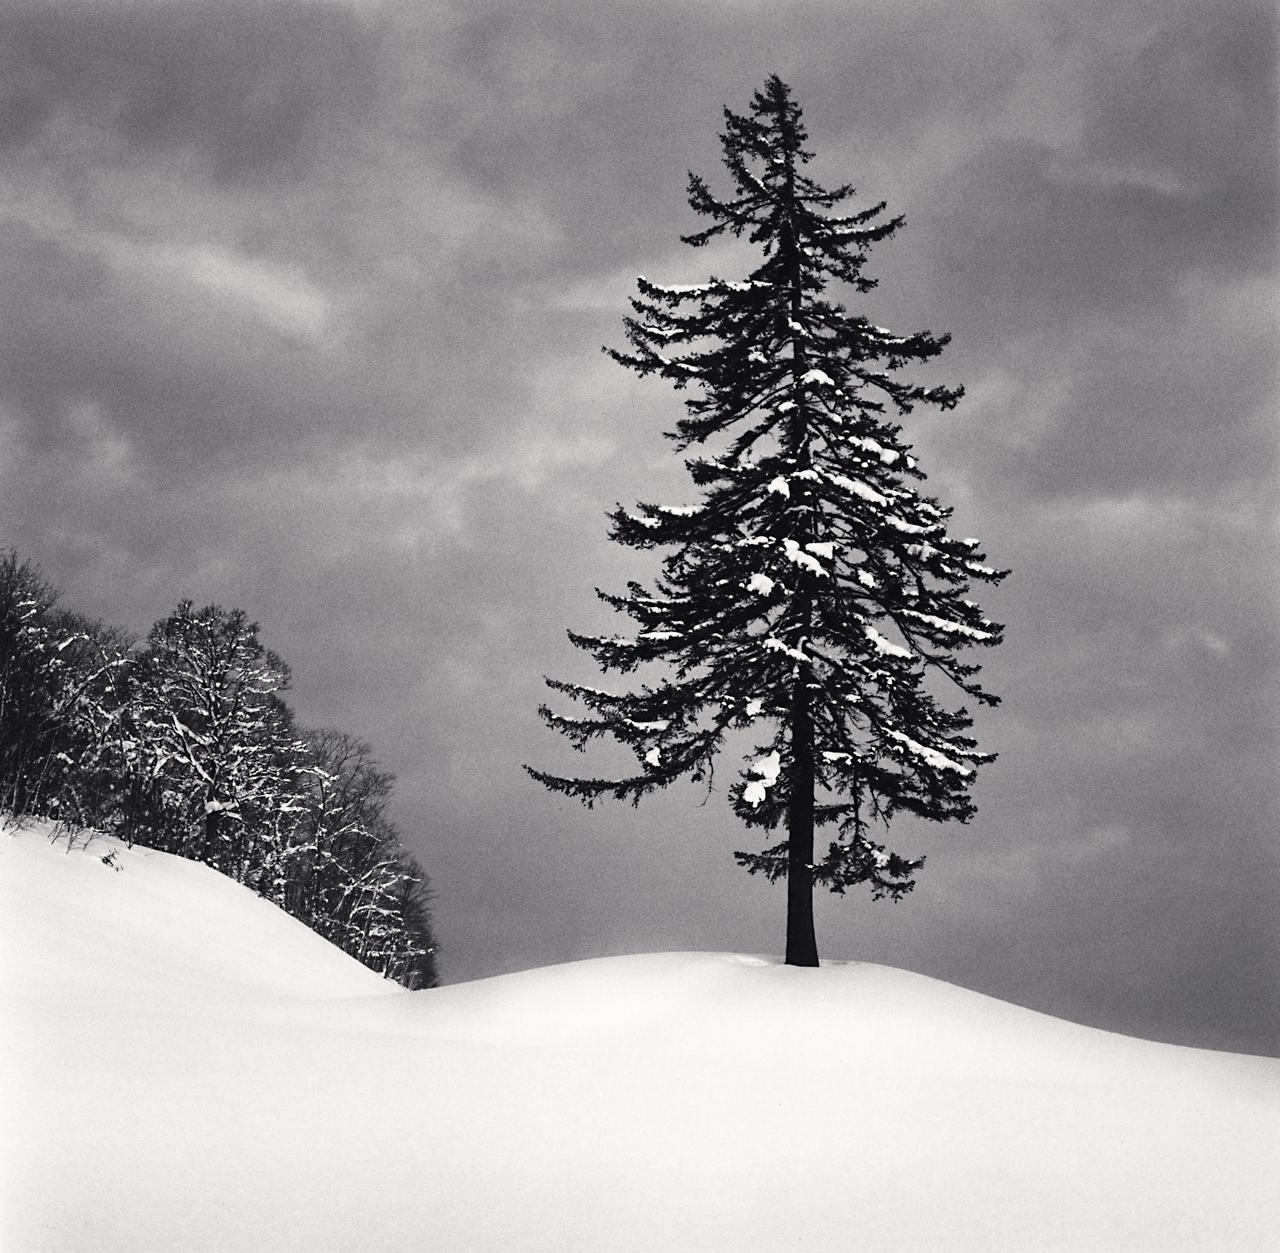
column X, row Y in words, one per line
column 189, row 1069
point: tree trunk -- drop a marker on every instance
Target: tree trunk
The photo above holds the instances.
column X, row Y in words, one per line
column 802, row 944
column 212, row 854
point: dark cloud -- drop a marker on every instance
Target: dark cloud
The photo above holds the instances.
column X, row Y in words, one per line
column 1194, row 106
column 1049, row 242
column 250, row 87
column 1167, row 408
column 553, row 105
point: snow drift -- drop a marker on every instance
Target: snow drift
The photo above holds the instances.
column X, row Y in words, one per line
column 189, row 1068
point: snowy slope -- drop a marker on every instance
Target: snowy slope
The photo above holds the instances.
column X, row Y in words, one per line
column 189, row 1069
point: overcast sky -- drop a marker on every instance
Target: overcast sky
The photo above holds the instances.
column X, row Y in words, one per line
column 303, row 307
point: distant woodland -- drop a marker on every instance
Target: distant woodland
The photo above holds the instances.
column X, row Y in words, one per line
column 183, row 742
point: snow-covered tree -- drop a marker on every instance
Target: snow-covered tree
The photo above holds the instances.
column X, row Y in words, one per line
column 410, row 958
column 811, row 589
column 57, row 674
column 335, row 837
column 34, row 679
column 213, row 746
column 187, row 746
column 350, row 879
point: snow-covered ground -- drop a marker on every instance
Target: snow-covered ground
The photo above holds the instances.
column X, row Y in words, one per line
column 186, row 1068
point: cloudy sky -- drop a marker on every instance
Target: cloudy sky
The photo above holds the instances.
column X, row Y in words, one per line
column 303, row 307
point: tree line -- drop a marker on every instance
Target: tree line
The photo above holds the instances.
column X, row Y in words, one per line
column 184, row 743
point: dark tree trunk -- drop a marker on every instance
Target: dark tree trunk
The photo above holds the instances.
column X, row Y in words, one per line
column 212, row 853
column 802, row 944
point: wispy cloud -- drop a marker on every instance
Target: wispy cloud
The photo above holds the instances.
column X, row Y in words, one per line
column 278, row 295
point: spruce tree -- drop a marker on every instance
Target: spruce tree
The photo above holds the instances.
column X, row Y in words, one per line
column 812, row 589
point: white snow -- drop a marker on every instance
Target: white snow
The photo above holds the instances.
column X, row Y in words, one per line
column 886, row 646
column 779, row 485
column 867, row 444
column 775, row 645
column 678, row 289
column 797, row 556
column 766, row 769
column 761, row 583
column 907, row 528
column 939, row 761
column 859, row 488
column 187, row 1068
column 946, row 624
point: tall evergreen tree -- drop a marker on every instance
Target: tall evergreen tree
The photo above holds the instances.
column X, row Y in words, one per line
column 811, row 590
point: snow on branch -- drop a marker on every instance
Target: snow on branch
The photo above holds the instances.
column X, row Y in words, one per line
column 939, row 761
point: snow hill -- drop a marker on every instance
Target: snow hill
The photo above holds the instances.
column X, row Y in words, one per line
column 187, row 1068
